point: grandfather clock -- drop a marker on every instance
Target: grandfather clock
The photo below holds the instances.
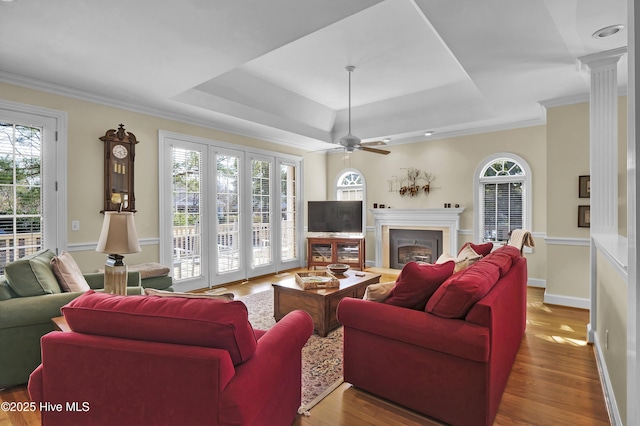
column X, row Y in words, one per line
column 119, row 155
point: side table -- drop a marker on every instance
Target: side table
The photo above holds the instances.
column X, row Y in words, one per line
column 60, row 324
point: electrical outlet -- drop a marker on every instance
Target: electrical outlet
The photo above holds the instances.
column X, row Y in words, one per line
column 75, row 225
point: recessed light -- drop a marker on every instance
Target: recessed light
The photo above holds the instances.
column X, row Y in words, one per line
column 429, row 133
column 607, row 31
column 386, row 140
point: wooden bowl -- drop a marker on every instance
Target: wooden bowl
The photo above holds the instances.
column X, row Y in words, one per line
column 338, row 268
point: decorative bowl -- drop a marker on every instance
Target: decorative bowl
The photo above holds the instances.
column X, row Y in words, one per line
column 338, row 268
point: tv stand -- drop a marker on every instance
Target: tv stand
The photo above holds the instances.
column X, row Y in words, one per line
column 323, row 251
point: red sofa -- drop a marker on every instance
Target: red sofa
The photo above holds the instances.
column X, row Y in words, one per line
column 149, row 360
column 452, row 360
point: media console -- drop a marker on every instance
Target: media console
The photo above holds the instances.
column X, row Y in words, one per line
column 323, row 251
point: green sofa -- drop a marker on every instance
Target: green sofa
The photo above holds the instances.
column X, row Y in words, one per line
column 29, row 298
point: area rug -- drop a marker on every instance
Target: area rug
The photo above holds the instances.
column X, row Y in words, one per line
column 321, row 356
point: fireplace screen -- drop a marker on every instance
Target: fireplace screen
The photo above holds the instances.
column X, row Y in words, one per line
column 418, row 245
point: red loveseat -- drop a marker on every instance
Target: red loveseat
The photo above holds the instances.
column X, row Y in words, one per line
column 452, row 360
column 149, row 360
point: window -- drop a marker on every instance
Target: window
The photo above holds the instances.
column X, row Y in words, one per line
column 289, row 212
column 187, row 238
column 32, row 193
column 228, row 213
column 350, row 186
column 503, row 191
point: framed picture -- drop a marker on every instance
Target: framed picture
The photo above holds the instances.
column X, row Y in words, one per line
column 584, row 186
column 584, row 216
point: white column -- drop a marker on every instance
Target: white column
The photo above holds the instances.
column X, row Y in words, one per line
column 633, row 221
column 603, row 119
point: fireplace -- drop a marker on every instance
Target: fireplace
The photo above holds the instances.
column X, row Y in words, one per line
column 419, row 245
column 446, row 221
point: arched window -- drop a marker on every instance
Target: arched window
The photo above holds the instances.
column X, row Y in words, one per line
column 350, row 186
column 502, row 197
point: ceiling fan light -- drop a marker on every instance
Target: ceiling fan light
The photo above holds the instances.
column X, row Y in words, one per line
column 349, row 140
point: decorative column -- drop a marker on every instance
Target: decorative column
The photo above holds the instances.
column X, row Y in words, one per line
column 603, row 158
column 603, row 129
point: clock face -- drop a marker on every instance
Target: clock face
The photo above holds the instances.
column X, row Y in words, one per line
column 120, row 151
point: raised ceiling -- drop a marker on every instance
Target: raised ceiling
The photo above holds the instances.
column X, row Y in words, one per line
column 276, row 69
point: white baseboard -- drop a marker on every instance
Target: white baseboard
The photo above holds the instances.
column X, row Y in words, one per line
column 572, row 302
column 607, row 389
column 537, row 282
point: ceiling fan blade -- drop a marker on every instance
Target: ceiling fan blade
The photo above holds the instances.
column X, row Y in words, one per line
column 373, row 143
column 377, row 151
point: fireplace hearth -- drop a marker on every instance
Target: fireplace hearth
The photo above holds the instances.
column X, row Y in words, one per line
column 446, row 221
column 418, row 245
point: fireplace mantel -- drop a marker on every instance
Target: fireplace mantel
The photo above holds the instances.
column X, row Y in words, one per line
column 447, row 220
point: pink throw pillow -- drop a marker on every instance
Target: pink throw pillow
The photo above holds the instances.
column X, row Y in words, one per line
column 417, row 282
column 211, row 323
column 68, row 273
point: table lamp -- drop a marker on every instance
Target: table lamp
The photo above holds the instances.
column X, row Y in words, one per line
column 118, row 237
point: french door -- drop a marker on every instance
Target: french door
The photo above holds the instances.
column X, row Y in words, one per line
column 32, row 180
column 227, row 214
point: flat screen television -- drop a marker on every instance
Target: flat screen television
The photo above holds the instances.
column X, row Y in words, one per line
column 334, row 216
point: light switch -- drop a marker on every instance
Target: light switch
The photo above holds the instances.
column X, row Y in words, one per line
column 75, row 225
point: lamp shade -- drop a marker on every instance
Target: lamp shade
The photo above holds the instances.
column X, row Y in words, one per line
column 118, row 234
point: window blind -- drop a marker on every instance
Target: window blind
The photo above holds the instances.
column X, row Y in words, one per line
column 502, row 210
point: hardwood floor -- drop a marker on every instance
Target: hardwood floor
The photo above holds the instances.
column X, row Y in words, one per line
column 554, row 380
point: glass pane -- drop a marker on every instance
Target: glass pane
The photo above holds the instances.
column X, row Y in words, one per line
column 187, row 234
column 20, row 192
column 227, row 206
column 350, row 187
column 503, row 210
column 288, row 240
column 261, row 228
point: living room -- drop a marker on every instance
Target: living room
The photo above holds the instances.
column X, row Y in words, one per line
column 556, row 149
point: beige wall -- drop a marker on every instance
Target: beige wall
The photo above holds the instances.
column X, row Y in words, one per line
column 86, row 123
column 567, row 159
column 453, row 161
column 611, row 329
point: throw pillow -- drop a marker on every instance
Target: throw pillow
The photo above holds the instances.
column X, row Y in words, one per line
column 461, row 291
column 68, row 273
column 481, row 249
column 461, row 262
column 417, row 282
column 378, row 292
column 503, row 258
column 163, row 293
column 32, row 275
column 149, row 270
column 211, row 323
column 469, row 254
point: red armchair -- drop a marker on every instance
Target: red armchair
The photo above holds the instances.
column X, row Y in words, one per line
column 136, row 360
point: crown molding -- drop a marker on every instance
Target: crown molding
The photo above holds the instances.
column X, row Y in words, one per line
column 472, row 131
column 575, row 99
column 83, row 95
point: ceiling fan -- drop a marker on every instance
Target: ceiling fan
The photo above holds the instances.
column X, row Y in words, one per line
column 351, row 142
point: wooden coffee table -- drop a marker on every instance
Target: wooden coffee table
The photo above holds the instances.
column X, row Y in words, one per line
column 321, row 304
